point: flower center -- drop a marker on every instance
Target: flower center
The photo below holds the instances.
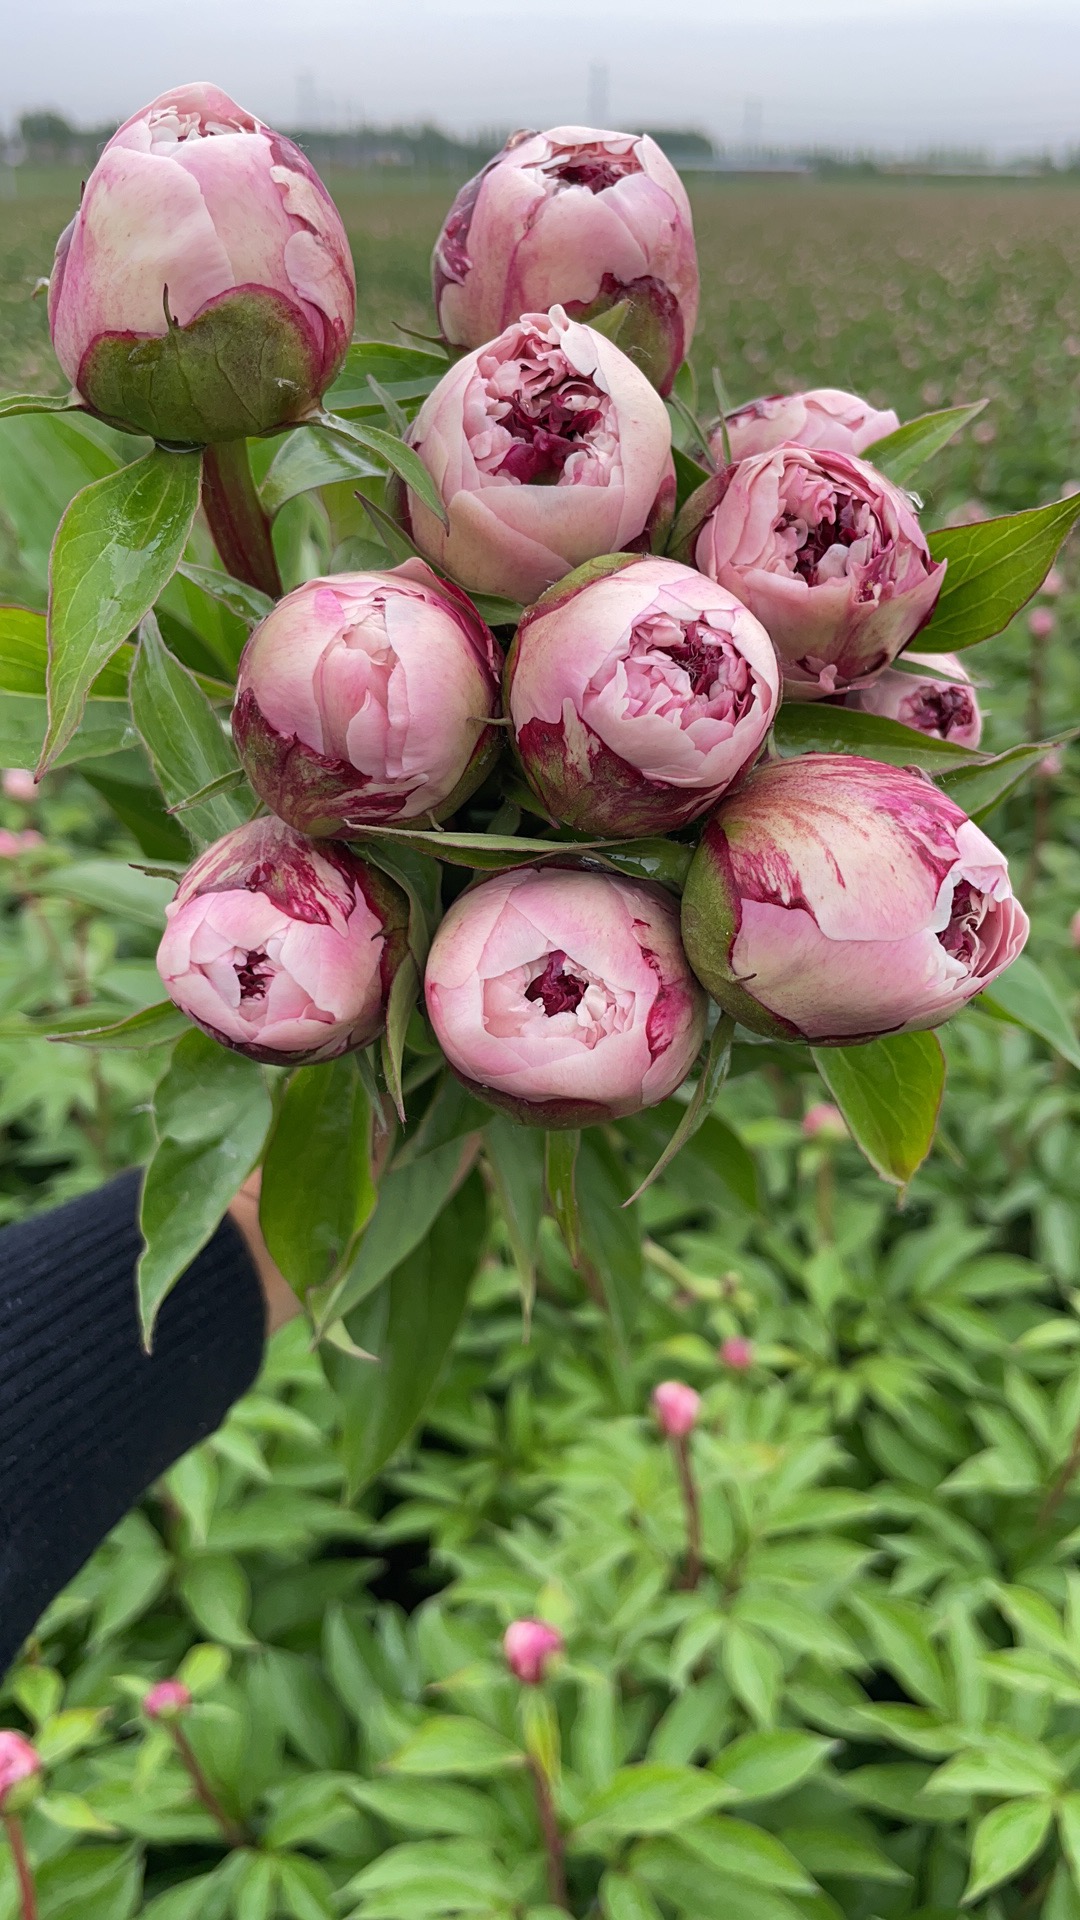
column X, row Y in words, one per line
column 961, row 937
column 940, row 710
column 558, row 990
column 545, row 420
column 681, row 670
column 254, row 973
column 594, row 167
column 829, row 533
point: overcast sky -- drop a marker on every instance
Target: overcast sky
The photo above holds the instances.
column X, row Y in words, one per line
column 886, row 73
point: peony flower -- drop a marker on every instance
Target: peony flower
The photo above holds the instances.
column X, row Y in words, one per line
column 204, row 290
column 833, row 899
column 824, row 417
column 166, row 1700
column 565, row 997
column 826, row 552
column 637, row 694
column 364, row 697
column 547, row 446
column 676, row 1407
column 529, row 1646
column 283, row 949
column 941, row 702
column 736, row 1353
column 19, row 1763
column 578, row 217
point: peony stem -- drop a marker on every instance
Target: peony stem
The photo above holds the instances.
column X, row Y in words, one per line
column 680, row 1447
column 23, row 1873
column 553, row 1840
column 235, row 1834
column 240, row 528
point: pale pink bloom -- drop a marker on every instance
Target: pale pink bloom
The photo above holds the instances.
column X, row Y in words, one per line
column 529, row 1646
column 547, row 446
column 941, row 702
column 365, row 697
column 282, row 948
column 823, row 417
column 13, row 842
column 676, row 1407
column 19, row 784
column 824, row 1122
column 198, row 208
column 638, row 695
column 565, row 996
column 19, row 1761
column 580, row 218
column 1041, row 623
column 833, row 899
column 166, row 1699
column 826, row 552
column 1053, row 584
column 736, row 1353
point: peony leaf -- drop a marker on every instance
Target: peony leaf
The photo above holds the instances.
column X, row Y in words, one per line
column 1024, row 995
column 561, row 1148
column 317, row 1189
column 993, row 568
column 393, row 453
column 900, row 455
column 811, row 727
column 116, row 547
column 245, row 601
column 411, row 1198
column 187, row 744
column 889, row 1092
column 407, row 374
column 155, row 1026
column 981, row 787
column 454, row 1744
column 311, row 458
column 1005, row 1840
column 515, row 1160
column 697, row 1110
column 611, row 1249
column 11, row 403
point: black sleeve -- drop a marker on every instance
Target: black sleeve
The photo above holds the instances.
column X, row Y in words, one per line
column 87, row 1419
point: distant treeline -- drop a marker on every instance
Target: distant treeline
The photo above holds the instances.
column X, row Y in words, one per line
column 47, row 139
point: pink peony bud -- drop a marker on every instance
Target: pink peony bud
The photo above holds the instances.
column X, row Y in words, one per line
column 736, row 1353
column 824, row 1122
column 548, row 446
column 204, row 290
column 283, row 949
column 940, row 703
column 565, row 997
column 579, row 218
column 637, row 694
column 12, row 843
column 363, row 698
column 529, row 1645
column 1041, row 623
column 824, row 417
column 1054, row 583
column 676, row 1407
column 19, row 784
column 1051, row 763
column 19, row 1762
column 825, row 551
column 832, row 899
column 166, row 1700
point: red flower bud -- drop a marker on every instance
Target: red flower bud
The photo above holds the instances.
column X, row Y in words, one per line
column 736, row 1353
column 19, row 1762
column 529, row 1645
column 676, row 1407
column 166, row 1700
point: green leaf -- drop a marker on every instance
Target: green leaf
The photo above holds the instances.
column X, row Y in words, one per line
column 843, row 1853
column 515, row 1159
column 317, row 1190
column 647, row 1798
column 1069, row 1829
column 453, row 1744
column 981, row 788
column 484, row 852
column 404, row 994
column 215, row 1591
column 113, row 887
column 410, row 1199
column 311, row 458
column 683, row 1879
column 406, row 373
column 420, row 1805
column 889, row 1092
column 993, row 568
column 393, row 453
column 246, row 602
column 184, row 738
column 156, row 1026
column 1005, row 1840
column 409, row 1324
column 39, row 403
column 1024, row 995
column 561, row 1149
column 689, row 476
column 697, row 1110
column 116, row 547
column 610, row 1232
column 898, row 1632
column 211, row 1114
column 24, row 658
column 901, row 454
column 230, row 782
column 812, row 727
column 761, row 1766
column 624, row 1897
column 747, row 1853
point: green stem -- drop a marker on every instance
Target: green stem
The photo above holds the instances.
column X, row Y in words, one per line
column 549, row 1828
column 240, row 528
column 23, row 1873
column 234, row 1834
column 680, row 1446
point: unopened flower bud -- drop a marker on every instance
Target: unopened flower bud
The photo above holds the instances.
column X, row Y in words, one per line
column 13, row 843
column 1041, row 623
column 941, row 702
column 824, row 1122
column 823, row 417
column 283, row 948
column 19, row 784
column 736, row 1353
column 529, row 1645
column 166, row 1700
column 676, row 1407
column 204, row 290
column 20, row 1764
column 1053, row 584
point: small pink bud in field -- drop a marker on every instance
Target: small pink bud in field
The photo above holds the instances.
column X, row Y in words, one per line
column 940, row 702
column 19, row 784
column 1053, row 584
column 824, row 1122
column 529, row 1645
column 736, row 1353
column 166, row 1699
column 676, row 1407
column 1051, row 764
column 1074, row 929
column 12, row 843
column 19, row 1761
column 1041, row 623
column 822, row 417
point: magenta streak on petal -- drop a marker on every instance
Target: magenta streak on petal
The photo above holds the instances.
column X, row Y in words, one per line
column 559, row 990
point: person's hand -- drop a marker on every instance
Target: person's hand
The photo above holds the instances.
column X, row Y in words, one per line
column 281, row 1302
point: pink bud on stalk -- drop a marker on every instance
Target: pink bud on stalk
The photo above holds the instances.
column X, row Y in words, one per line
column 833, row 899
column 19, row 784
column 204, row 291
column 823, row 417
column 676, row 1407
column 283, row 949
column 582, row 218
column 364, row 698
column 565, row 997
column 825, row 551
column 1041, row 623
column 547, row 446
column 19, row 1764
column 638, row 691
column 13, row 843
column 824, row 1122
column 166, row 1699
column 940, row 702
column 736, row 1353
column 529, row 1646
